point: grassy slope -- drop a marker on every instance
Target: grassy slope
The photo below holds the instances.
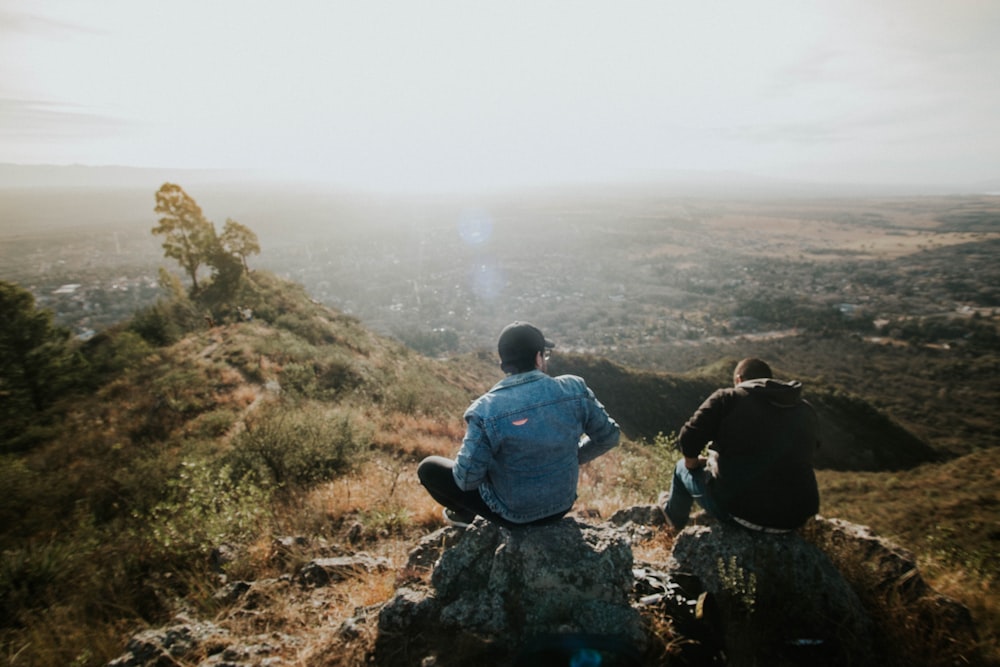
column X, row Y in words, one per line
column 81, row 545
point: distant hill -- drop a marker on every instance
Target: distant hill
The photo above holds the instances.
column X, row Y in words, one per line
column 684, row 183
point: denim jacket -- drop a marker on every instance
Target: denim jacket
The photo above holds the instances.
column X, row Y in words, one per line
column 525, row 440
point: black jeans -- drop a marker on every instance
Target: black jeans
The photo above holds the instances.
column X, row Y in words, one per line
column 435, row 475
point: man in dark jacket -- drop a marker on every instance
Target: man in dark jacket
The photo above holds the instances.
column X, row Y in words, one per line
column 761, row 436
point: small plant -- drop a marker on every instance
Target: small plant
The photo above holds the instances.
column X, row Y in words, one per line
column 738, row 583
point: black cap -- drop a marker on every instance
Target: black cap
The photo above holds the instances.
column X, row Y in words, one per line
column 518, row 344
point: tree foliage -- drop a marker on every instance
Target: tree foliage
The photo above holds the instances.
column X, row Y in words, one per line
column 188, row 236
column 192, row 240
column 239, row 241
column 37, row 361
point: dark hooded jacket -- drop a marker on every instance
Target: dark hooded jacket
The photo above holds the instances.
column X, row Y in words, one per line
column 765, row 435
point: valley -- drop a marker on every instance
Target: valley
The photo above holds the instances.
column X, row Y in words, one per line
column 896, row 299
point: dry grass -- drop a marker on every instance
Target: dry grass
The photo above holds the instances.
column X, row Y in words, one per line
column 943, row 512
column 974, row 591
column 628, row 475
column 417, row 436
column 308, row 622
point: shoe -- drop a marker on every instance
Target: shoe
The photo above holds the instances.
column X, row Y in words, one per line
column 453, row 518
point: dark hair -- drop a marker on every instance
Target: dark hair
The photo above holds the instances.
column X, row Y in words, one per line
column 520, row 365
column 752, row 368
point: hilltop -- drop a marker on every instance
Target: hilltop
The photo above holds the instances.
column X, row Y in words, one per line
column 197, row 433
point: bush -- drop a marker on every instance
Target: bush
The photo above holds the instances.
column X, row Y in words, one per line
column 283, row 347
column 28, row 576
column 324, row 379
column 111, row 353
column 648, row 468
column 207, row 506
column 300, row 447
column 298, row 379
column 310, row 328
column 161, row 324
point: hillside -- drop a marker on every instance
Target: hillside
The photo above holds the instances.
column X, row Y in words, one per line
column 235, row 435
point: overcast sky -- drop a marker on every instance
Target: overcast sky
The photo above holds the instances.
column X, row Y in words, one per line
column 456, row 93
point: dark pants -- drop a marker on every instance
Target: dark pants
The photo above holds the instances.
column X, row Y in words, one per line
column 435, row 475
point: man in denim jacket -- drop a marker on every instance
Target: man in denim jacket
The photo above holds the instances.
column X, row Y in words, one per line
column 524, row 441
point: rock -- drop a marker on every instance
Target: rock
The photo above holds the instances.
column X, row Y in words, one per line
column 498, row 591
column 166, row 647
column 832, row 593
column 202, row 643
column 231, row 592
column 772, row 598
column 640, row 522
column 322, row 571
column 430, row 548
column 913, row 621
column 642, row 515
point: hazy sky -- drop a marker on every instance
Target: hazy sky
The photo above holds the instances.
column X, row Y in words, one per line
column 441, row 93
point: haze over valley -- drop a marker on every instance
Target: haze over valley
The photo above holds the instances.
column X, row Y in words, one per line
column 659, row 278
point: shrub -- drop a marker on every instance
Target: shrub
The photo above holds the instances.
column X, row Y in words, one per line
column 648, row 468
column 212, row 424
column 416, row 390
column 156, row 325
column 299, row 379
column 297, row 447
column 21, row 486
column 113, row 353
column 29, row 574
column 310, row 328
column 338, row 374
column 285, row 348
column 207, row 506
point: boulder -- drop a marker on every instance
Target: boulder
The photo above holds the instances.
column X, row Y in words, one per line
column 499, row 596
column 913, row 621
column 772, row 598
column 830, row 593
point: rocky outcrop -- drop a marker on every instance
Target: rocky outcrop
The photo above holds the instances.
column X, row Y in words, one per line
column 912, row 621
column 569, row 593
column 727, row 595
column 498, row 595
column 202, row 643
column 772, row 599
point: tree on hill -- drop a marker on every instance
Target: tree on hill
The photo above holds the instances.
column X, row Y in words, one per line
column 188, row 236
column 239, row 241
column 36, row 360
column 191, row 239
